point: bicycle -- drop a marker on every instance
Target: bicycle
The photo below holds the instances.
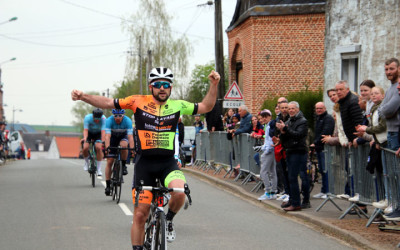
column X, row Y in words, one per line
column 116, row 174
column 155, row 227
column 92, row 162
column 312, row 169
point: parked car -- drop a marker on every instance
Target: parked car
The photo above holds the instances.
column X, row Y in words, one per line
column 190, row 136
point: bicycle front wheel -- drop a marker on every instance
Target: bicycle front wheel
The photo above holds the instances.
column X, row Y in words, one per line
column 159, row 240
column 93, row 173
column 119, row 184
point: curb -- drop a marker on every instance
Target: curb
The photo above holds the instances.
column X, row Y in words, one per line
column 354, row 240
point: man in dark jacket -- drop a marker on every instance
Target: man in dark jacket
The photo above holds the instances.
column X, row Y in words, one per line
column 324, row 125
column 351, row 115
column 245, row 121
column 293, row 137
column 214, row 119
column 350, row 110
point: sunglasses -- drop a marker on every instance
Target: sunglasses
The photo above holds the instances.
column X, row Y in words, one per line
column 158, row 85
column 118, row 116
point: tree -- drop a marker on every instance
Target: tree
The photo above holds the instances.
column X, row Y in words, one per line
column 81, row 109
column 145, row 26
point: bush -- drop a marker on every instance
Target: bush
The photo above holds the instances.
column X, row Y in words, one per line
column 306, row 99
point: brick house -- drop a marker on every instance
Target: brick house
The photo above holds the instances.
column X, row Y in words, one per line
column 276, row 47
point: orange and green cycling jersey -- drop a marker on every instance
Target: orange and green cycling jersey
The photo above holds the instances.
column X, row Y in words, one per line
column 155, row 124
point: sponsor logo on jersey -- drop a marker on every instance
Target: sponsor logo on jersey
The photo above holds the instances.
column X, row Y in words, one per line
column 157, row 143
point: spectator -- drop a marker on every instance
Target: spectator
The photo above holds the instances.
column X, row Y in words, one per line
column 245, row 121
column 351, row 116
column 280, row 154
column 268, row 163
column 181, row 130
column 377, row 127
column 389, row 109
column 365, row 92
column 324, row 125
column 293, row 137
column 228, row 118
column 198, row 125
column 214, row 119
column 362, row 138
column 257, row 133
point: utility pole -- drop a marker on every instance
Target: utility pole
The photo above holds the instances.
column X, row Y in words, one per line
column 140, row 62
column 149, row 67
column 219, row 60
column 219, row 49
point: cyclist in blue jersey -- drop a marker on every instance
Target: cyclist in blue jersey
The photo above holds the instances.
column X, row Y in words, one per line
column 94, row 126
column 118, row 132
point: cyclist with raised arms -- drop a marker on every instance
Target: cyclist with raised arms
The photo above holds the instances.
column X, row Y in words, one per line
column 119, row 132
column 94, row 126
column 156, row 118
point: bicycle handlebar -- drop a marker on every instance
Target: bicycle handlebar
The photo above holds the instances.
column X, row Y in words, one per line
column 163, row 190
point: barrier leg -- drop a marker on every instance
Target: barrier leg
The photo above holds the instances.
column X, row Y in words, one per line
column 328, row 198
column 355, row 207
column 377, row 212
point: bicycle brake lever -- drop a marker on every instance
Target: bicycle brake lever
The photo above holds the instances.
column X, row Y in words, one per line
column 187, row 192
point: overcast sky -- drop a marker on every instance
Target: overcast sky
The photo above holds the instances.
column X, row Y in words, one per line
column 62, row 45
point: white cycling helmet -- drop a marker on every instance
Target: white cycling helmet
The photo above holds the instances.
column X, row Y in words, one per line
column 161, row 73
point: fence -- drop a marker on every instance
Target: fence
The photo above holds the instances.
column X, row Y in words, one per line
column 346, row 169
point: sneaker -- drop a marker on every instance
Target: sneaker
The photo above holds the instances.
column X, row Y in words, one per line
column 286, row 199
column 394, row 216
column 305, row 205
column 108, row 191
column 282, row 197
column 388, row 210
column 170, row 231
column 272, row 196
column 86, row 166
column 343, row 196
column 319, row 196
column 99, row 173
column 324, row 196
column 381, row 204
column 355, row 198
column 264, row 197
column 124, row 170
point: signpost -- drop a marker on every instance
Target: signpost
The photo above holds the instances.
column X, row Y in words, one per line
column 234, row 97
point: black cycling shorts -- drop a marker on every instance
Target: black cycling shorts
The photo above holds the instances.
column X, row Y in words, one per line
column 148, row 169
column 93, row 136
column 114, row 142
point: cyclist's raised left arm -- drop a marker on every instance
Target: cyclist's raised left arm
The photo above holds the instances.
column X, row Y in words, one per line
column 209, row 100
column 95, row 100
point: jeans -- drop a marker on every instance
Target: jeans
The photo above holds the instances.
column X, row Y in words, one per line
column 296, row 162
column 322, row 170
column 393, row 140
column 257, row 158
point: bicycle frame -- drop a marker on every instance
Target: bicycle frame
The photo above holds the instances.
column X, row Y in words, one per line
column 156, row 220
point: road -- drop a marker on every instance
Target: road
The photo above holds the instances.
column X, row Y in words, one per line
column 49, row 204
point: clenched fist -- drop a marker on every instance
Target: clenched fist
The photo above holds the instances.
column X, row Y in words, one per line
column 76, row 95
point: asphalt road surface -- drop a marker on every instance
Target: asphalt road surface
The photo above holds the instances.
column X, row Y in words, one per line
column 50, row 204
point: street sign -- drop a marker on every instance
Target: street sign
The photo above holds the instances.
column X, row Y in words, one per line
column 234, row 93
column 232, row 104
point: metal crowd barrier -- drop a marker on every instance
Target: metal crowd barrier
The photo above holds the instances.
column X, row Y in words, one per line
column 215, row 152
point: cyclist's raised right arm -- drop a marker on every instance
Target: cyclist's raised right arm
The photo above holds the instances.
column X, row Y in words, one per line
column 95, row 100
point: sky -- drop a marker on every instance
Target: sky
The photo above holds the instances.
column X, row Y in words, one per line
column 60, row 45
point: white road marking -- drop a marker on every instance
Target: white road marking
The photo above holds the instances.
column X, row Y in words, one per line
column 74, row 162
column 123, row 206
column 125, row 209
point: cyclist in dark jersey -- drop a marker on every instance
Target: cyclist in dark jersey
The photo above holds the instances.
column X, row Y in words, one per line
column 156, row 118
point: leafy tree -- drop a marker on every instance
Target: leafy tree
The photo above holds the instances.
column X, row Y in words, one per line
column 166, row 50
column 81, row 109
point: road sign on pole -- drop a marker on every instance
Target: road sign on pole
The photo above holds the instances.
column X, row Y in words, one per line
column 234, row 93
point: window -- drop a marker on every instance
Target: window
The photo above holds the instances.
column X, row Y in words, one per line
column 350, row 71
